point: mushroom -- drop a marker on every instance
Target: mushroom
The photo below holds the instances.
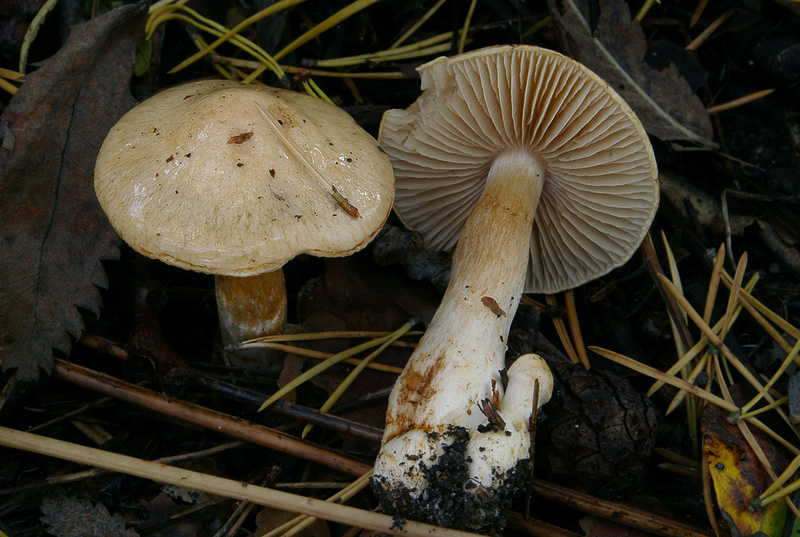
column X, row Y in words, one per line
column 545, row 179
column 235, row 180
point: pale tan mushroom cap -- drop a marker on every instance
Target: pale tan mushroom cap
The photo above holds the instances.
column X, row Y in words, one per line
column 601, row 189
column 196, row 177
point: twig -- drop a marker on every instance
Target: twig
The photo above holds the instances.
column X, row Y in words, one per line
column 301, row 522
column 94, row 472
column 251, row 64
column 715, row 340
column 414, row 27
column 537, row 528
column 561, row 330
column 624, row 514
column 575, row 328
column 683, row 385
column 217, row 485
column 651, row 259
column 739, row 102
column 334, row 334
column 330, row 362
column 206, row 418
column 462, row 38
column 701, row 6
column 353, row 375
column 705, row 34
column 309, row 415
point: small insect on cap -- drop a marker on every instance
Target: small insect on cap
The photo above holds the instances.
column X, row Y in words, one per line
column 228, row 178
column 600, row 189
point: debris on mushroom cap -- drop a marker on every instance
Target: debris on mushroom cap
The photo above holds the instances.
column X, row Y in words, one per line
column 601, row 189
column 195, row 177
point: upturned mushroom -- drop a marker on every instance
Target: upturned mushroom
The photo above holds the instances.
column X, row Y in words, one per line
column 235, row 180
column 543, row 179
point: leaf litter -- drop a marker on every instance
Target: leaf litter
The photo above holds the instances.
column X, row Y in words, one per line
column 67, row 516
column 615, row 50
column 54, row 233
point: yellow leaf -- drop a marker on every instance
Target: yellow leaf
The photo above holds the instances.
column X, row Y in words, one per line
column 739, row 478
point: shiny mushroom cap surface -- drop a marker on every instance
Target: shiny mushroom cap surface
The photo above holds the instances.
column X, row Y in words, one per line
column 600, row 191
column 224, row 178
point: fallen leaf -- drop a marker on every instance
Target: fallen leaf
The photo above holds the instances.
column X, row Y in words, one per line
column 739, row 478
column 53, row 230
column 663, row 100
column 72, row 517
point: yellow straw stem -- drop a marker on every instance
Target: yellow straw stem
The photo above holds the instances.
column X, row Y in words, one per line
column 274, row 8
column 644, row 10
column 681, row 395
column 739, row 102
column 319, row 368
column 297, row 524
column 390, row 53
column 318, row 92
column 782, row 401
column 733, row 297
column 712, row 337
column 544, row 23
column 561, row 330
column 757, row 309
column 7, row 86
column 782, row 493
column 781, row 370
column 325, row 25
column 334, row 334
column 11, row 74
column 710, row 29
column 743, row 428
column 676, row 280
column 353, row 375
column 462, row 38
column 575, row 328
column 783, row 478
column 216, row 29
column 228, row 488
column 683, row 385
column 318, row 355
column 713, row 285
column 408, row 33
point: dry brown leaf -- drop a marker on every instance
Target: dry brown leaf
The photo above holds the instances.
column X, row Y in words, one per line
column 663, row 100
column 52, row 230
column 73, row 517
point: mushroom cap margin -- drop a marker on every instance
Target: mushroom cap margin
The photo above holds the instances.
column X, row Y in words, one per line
column 601, row 190
column 195, row 177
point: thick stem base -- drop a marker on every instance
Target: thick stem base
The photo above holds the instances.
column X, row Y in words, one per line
column 450, row 408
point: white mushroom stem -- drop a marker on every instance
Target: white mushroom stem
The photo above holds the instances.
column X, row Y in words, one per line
column 458, row 362
column 251, row 307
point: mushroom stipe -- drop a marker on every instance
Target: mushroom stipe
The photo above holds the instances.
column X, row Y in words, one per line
column 542, row 178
